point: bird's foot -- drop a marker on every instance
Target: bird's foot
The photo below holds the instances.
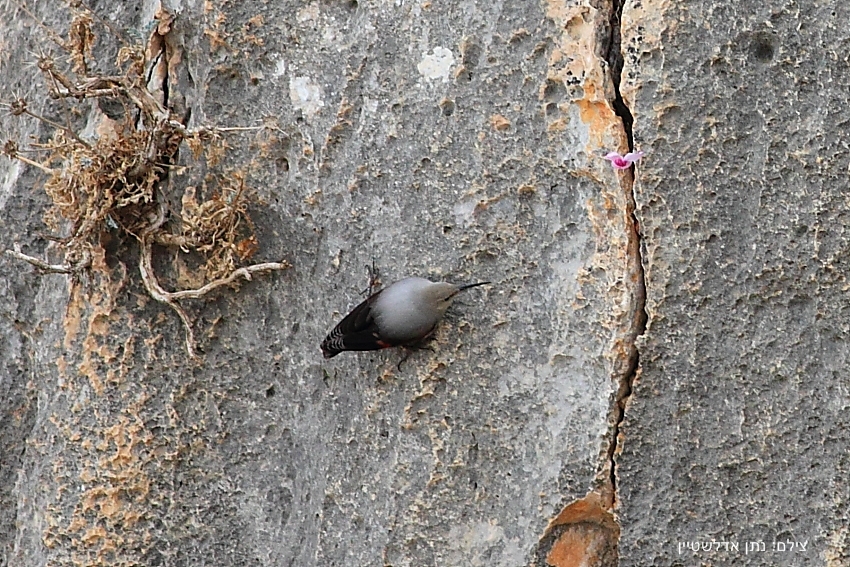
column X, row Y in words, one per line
column 374, row 279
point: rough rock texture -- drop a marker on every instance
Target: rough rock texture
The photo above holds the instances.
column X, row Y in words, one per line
column 455, row 140
column 736, row 432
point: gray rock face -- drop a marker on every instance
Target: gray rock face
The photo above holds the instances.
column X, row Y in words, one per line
column 459, row 142
column 736, row 432
column 456, row 141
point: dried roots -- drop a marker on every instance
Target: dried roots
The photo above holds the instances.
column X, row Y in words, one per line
column 115, row 182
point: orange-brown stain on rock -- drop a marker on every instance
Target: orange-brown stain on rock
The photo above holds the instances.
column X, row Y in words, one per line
column 98, row 308
column 500, row 123
column 598, row 116
column 574, row 60
column 108, row 451
column 586, row 535
column 579, row 546
column 73, row 317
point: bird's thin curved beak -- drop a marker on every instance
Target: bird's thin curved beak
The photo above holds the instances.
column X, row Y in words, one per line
column 467, row 286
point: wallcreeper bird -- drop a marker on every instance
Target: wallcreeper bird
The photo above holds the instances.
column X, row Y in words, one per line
column 402, row 314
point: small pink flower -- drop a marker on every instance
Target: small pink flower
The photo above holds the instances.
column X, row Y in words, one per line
column 623, row 162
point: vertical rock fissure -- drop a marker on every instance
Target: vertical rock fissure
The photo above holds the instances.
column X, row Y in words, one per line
column 614, row 58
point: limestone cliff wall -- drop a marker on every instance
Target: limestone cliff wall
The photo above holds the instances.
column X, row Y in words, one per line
column 660, row 359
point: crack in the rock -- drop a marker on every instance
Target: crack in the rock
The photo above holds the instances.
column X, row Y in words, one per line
column 614, row 57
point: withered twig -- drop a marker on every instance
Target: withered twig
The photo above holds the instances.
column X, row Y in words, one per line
column 159, row 294
column 49, row 268
column 171, row 298
column 43, row 168
column 65, row 129
column 60, row 92
column 152, row 284
column 245, row 272
column 235, row 128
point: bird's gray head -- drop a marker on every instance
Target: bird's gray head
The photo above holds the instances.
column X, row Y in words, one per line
column 441, row 294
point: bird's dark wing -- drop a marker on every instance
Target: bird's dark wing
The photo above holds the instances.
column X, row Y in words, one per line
column 357, row 331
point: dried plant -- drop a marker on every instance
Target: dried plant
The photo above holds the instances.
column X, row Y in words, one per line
column 115, row 181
